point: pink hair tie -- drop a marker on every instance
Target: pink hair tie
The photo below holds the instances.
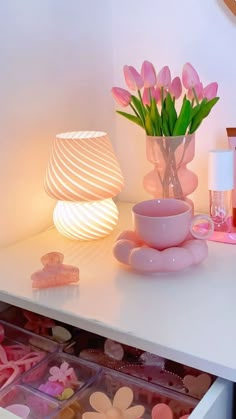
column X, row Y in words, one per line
column 12, row 376
column 15, row 352
column 3, row 355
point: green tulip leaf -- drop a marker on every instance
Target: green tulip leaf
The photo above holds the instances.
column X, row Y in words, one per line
column 149, row 125
column 139, row 107
column 171, row 112
column 155, row 117
column 183, row 119
column 204, row 110
column 131, row 117
column 165, row 126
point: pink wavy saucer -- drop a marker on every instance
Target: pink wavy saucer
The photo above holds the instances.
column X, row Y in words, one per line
column 129, row 250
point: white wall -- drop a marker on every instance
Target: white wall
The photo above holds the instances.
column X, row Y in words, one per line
column 171, row 33
column 58, row 61
column 55, row 75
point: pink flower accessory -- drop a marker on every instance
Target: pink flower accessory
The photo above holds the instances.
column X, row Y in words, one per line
column 54, row 272
column 19, row 410
column 37, row 323
column 121, row 96
column 133, row 79
column 119, row 408
column 63, row 374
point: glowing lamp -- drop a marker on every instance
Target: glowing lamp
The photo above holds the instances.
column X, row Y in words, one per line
column 84, row 175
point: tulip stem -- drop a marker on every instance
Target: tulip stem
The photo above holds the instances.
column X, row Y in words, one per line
column 142, row 105
column 162, row 96
column 136, row 113
column 195, row 96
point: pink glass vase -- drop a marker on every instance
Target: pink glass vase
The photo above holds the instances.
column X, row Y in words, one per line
column 170, row 177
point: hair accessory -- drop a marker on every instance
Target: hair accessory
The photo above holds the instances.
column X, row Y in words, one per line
column 113, row 349
column 119, row 408
column 19, row 410
column 66, row 394
column 162, row 411
column 99, row 357
column 54, row 272
column 14, row 360
column 61, row 334
column 62, row 374
column 52, row 388
column 150, row 359
column 37, row 323
column 197, row 386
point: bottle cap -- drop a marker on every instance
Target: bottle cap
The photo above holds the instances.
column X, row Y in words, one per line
column 221, row 170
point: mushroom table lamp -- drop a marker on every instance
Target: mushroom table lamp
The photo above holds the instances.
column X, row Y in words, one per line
column 84, row 175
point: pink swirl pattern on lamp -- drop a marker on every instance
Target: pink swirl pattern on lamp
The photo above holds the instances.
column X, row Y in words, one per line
column 83, row 167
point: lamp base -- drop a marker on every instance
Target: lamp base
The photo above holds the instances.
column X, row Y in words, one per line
column 85, row 220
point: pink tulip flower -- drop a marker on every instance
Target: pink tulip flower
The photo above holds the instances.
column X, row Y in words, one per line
column 146, row 95
column 175, row 88
column 133, row 79
column 190, row 77
column 210, row 91
column 148, row 74
column 121, row 96
column 164, row 77
column 198, row 90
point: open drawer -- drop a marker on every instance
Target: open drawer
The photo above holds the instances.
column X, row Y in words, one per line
column 217, row 402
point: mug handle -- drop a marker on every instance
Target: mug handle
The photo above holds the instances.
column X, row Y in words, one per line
column 202, row 235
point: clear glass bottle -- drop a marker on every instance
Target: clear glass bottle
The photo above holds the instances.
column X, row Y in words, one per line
column 220, row 185
column 220, row 206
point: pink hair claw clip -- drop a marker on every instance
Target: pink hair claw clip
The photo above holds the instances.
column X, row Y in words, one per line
column 54, row 272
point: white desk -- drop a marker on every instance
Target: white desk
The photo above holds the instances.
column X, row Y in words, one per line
column 189, row 317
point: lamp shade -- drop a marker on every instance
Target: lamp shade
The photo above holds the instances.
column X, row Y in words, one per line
column 83, row 167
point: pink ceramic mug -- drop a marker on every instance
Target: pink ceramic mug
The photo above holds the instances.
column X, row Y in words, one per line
column 163, row 223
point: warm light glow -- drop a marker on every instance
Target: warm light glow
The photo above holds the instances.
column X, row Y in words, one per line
column 85, row 220
column 83, row 167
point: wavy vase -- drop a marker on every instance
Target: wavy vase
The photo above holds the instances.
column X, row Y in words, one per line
column 170, row 177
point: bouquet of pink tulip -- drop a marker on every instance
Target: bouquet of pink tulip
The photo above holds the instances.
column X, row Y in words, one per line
column 154, row 107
